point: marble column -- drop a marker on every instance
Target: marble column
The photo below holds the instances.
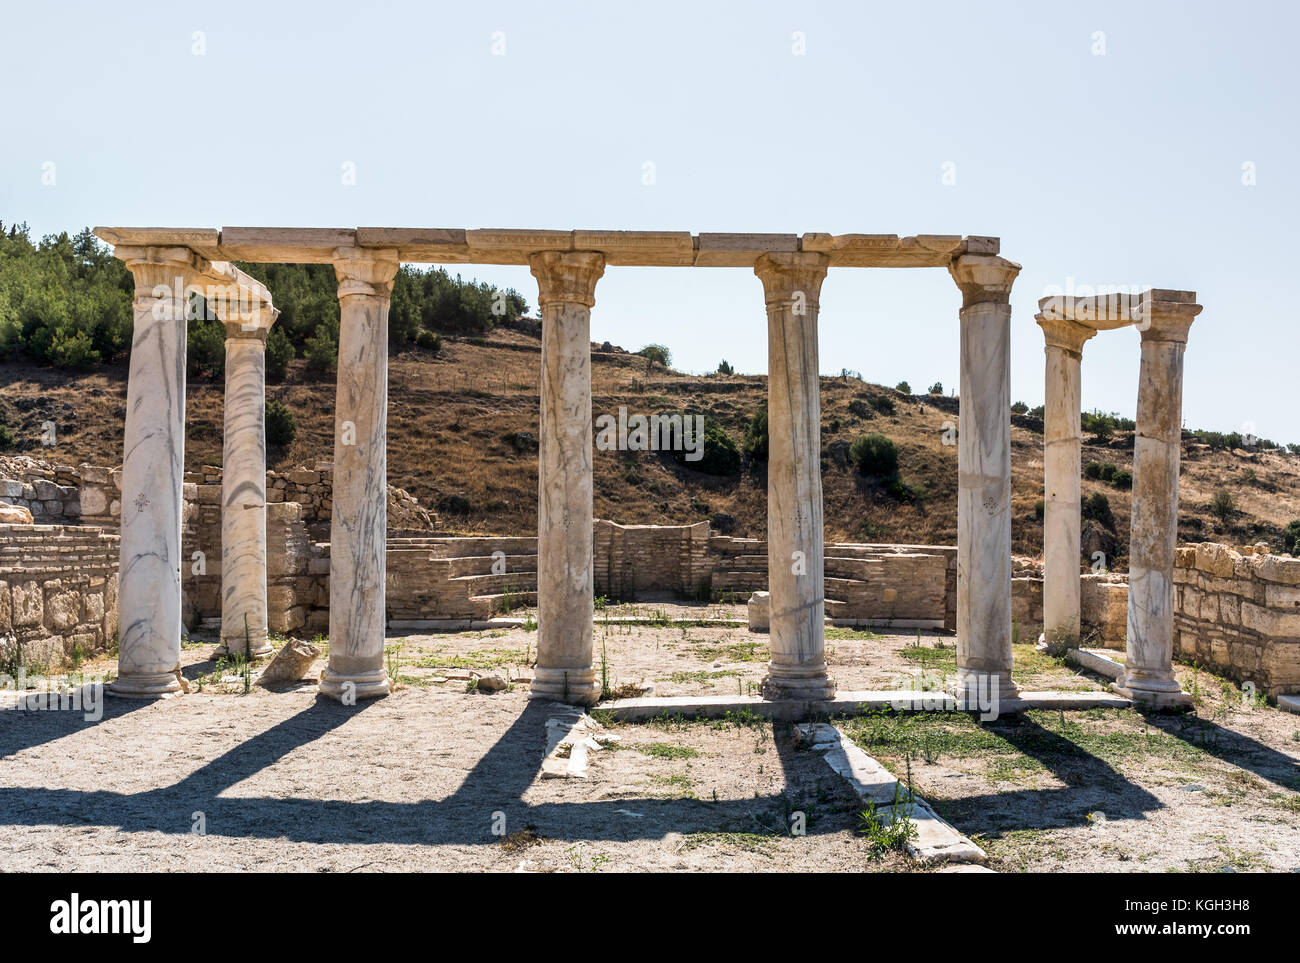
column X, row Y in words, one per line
column 243, row 492
column 565, row 579
column 359, row 523
column 1148, row 677
column 153, row 463
column 795, row 557
column 984, row 476
column 1062, row 448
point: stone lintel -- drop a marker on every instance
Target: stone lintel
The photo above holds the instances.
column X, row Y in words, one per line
column 425, row 245
column 890, row 250
column 285, row 245
column 202, row 240
column 1103, row 312
column 741, row 250
column 502, row 246
column 649, row 248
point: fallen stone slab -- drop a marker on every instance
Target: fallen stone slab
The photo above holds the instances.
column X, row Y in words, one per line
column 291, row 663
column 1289, row 703
column 1095, row 661
column 570, row 735
column 935, row 840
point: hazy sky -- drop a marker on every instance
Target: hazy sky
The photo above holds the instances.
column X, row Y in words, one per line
column 1107, row 144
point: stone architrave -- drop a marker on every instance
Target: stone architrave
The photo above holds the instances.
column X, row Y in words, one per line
column 795, row 557
column 1148, row 679
column 359, row 522
column 565, row 579
column 153, row 462
column 1062, row 447
column 984, row 657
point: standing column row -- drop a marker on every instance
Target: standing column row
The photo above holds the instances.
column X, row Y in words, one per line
column 984, row 477
column 795, row 554
column 1062, row 468
column 153, row 465
column 359, row 522
column 565, row 577
column 243, row 486
column 1164, row 318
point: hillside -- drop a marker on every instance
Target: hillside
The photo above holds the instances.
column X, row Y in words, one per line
column 463, row 424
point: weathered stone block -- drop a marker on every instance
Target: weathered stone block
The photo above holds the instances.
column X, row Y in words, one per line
column 28, row 604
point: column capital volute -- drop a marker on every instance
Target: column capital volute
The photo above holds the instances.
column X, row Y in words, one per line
column 983, row 278
column 567, row 276
column 365, row 272
column 1067, row 335
column 1166, row 315
column 787, row 274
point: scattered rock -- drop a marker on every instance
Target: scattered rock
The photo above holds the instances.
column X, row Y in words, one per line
column 291, row 662
column 14, row 515
column 490, row 683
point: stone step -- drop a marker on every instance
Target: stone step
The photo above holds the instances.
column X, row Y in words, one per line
column 484, row 565
column 490, row 605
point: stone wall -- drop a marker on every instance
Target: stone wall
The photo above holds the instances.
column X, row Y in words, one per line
column 632, row 561
column 1103, row 605
column 50, row 492
column 58, row 593
column 1238, row 614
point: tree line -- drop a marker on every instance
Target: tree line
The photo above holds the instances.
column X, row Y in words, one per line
column 65, row 301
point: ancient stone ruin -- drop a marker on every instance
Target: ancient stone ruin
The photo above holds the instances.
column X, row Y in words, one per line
column 312, row 550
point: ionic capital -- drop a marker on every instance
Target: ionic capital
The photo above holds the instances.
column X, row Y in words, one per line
column 983, row 278
column 791, row 276
column 365, row 272
column 154, row 268
column 567, row 276
column 1067, row 335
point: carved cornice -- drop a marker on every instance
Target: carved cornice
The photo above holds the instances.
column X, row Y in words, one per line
column 983, row 279
column 567, row 276
column 788, row 275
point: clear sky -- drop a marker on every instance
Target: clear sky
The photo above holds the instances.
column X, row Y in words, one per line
column 1104, row 142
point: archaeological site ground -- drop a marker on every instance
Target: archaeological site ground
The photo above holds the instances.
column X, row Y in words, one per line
column 333, row 548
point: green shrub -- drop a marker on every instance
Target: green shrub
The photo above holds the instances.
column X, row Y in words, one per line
column 1122, row 479
column 1020, row 408
column 1291, row 538
column 754, row 443
column 1097, row 508
column 1039, row 509
column 724, row 368
column 205, row 348
column 429, row 341
column 279, row 352
column 6, row 438
column 901, row 491
column 721, row 457
column 1222, row 505
column 321, row 351
column 281, row 425
column 657, row 354
column 883, row 404
column 936, row 388
column 903, row 388
column 875, row 456
column 1099, row 470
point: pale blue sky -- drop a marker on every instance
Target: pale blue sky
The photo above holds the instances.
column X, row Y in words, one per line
column 1123, row 168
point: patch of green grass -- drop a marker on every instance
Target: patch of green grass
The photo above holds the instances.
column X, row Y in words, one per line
column 481, row 659
column 862, row 635
column 666, row 750
column 732, row 652
column 701, row 675
column 750, row 842
column 679, row 785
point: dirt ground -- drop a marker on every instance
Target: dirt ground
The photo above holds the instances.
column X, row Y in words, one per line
column 438, row 777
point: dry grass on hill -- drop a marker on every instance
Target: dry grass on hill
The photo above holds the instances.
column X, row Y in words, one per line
column 453, row 420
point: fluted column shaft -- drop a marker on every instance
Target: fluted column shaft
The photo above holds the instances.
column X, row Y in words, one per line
column 1062, row 494
column 984, row 655
column 359, row 521
column 795, row 556
column 1148, row 672
column 243, row 494
column 565, row 579
column 153, row 463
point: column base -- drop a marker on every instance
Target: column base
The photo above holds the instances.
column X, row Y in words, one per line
column 144, row 685
column 578, row 687
column 805, row 682
column 258, row 646
column 362, row 685
column 974, row 687
column 1152, row 691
